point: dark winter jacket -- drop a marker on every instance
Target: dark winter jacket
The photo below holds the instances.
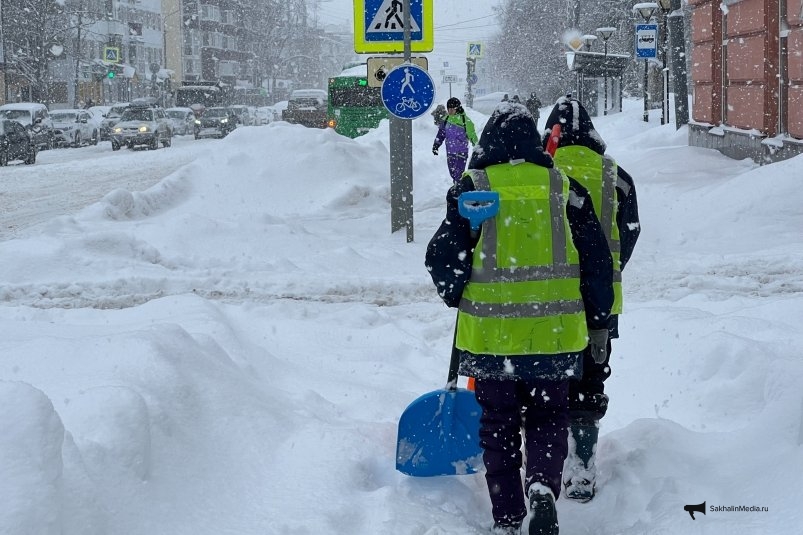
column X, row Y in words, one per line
column 511, row 134
column 457, row 130
column 578, row 129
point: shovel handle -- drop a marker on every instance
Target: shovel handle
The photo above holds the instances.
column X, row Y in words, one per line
column 454, row 363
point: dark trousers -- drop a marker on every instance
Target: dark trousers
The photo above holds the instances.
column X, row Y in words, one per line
column 587, row 400
column 457, row 164
column 541, row 409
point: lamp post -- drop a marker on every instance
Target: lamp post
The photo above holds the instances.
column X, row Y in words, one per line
column 605, row 33
column 646, row 11
column 665, row 6
column 588, row 42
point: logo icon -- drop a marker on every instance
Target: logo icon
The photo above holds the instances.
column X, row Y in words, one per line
column 700, row 508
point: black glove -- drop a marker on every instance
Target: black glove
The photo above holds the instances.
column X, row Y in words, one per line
column 598, row 344
column 435, row 151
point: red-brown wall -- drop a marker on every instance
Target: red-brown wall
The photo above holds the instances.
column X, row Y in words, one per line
column 795, row 46
column 747, row 97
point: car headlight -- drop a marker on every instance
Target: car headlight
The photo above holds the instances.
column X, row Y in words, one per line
column 224, row 121
column 117, row 129
column 144, row 128
column 197, row 121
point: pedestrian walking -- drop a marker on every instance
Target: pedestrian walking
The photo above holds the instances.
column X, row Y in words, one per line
column 533, row 104
column 530, row 288
column 581, row 155
column 457, row 131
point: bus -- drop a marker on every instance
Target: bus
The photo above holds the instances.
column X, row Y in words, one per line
column 354, row 107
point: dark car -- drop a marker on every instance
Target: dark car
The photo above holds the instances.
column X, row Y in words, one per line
column 16, row 143
column 215, row 122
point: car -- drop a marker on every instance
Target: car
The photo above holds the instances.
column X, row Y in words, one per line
column 97, row 114
column 35, row 118
column 142, row 125
column 268, row 114
column 15, row 143
column 307, row 107
column 242, row 114
column 215, row 122
column 183, row 120
column 74, row 128
column 111, row 118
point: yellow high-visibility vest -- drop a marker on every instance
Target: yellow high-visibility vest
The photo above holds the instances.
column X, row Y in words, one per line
column 598, row 174
column 523, row 297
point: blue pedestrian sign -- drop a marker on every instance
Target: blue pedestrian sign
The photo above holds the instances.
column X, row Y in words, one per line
column 646, row 40
column 408, row 91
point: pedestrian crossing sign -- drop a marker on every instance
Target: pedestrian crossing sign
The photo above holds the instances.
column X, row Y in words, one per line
column 474, row 50
column 379, row 26
column 111, row 54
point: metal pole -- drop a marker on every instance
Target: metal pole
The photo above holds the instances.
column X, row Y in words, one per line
column 605, row 76
column 678, row 46
column 3, row 46
column 665, row 74
column 646, row 94
column 401, row 155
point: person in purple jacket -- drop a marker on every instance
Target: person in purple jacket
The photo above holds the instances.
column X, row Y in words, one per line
column 457, row 130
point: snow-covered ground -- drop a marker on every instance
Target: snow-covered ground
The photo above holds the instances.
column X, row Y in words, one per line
column 228, row 352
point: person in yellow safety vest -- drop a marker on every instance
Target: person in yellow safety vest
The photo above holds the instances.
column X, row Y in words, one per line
column 581, row 155
column 531, row 287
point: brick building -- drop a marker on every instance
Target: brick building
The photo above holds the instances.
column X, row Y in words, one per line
column 747, row 77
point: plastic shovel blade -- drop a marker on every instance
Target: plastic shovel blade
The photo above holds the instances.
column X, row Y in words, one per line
column 439, row 435
column 477, row 206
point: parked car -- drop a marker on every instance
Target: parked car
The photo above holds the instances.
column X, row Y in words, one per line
column 183, row 120
column 242, row 114
column 142, row 125
column 74, row 128
column 307, row 107
column 15, row 143
column 112, row 118
column 35, row 118
column 269, row 114
column 215, row 122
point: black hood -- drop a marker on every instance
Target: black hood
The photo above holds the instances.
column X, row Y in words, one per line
column 509, row 134
column 576, row 125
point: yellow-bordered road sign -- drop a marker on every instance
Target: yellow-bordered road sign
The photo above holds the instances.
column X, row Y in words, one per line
column 111, row 54
column 379, row 26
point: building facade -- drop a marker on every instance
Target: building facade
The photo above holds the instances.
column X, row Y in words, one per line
column 747, row 77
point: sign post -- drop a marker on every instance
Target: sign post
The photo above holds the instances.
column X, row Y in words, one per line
column 397, row 26
column 646, row 47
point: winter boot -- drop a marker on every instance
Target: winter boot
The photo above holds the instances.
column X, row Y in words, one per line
column 580, row 470
column 543, row 517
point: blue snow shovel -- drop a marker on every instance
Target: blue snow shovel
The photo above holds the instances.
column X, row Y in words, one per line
column 439, row 432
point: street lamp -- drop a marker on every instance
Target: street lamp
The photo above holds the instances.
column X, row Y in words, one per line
column 588, row 41
column 605, row 33
column 665, row 8
column 646, row 11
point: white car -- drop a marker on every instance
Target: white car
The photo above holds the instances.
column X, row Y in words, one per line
column 34, row 117
column 142, row 125
column 74, row 128
column 183, row 120
column 268, row 114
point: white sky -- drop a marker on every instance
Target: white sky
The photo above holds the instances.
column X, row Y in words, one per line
column 228, row 352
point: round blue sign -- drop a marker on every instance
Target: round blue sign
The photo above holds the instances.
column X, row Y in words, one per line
column 472, row 79
column 408, row 91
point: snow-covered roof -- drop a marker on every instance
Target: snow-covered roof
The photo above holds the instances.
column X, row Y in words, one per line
column 30, row 106
column 357, row 70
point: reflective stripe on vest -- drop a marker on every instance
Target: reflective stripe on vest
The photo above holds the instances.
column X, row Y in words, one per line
column 523, row 297
column 599, row 175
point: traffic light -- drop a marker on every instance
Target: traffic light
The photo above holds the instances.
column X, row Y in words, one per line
column 111, row 74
